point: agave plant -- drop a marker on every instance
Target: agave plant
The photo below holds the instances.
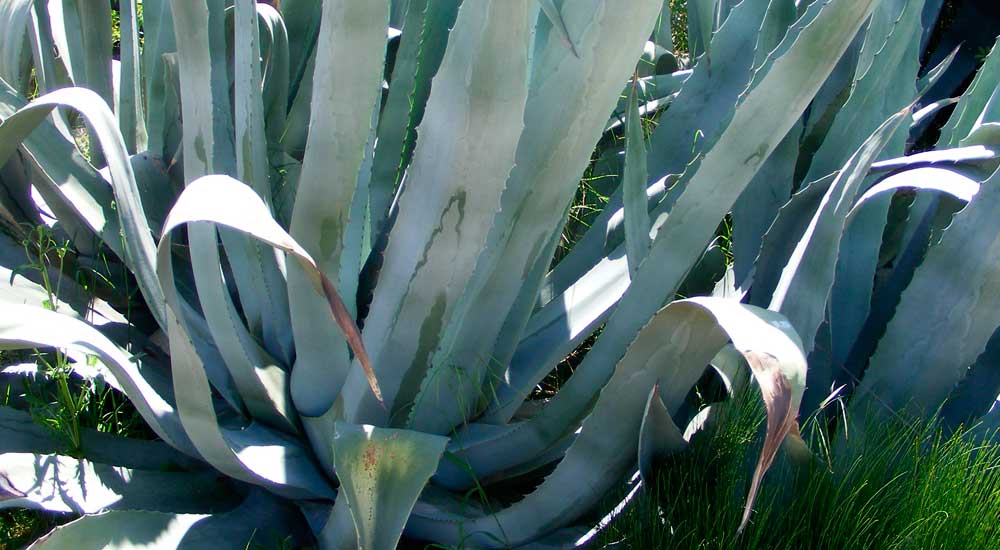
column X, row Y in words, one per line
column 274, row 179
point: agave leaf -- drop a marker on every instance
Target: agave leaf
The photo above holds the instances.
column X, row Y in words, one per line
column 333, row 524
column 249, row 215
column 663, row 32
column 928, row 178
column 554, row 149
column 208, row 148
column 705, row 105
column 557, row 329
column 87, row 53
column 15, row 17
column 266, row 309
column 659, row 436
column 884, row 83
column 977, row 393
column 776, row 248
column 513, row 328
column 274, row 43
column 825, row 107
column 155, row 187
column 987, row 427
column 387, row 168
column 251, row 152
column 296, row 131
column 973, row 102
column 131, row 119
column 934, row 74
column 425, row 34
column 771, row 187
column 816, row 281
column 91, row 374
column 701, row 22
column 63, row 484
column 47, row 75
column 758, row 206
column 122, row 529
column 888, row 292
column 158, row 39
column 302, row 20
column 21, row 434
column 922, row 212
column 674, row 348
column 381, row 473
column 807, row 278
column 958, row 155
column 657, row 92
column 930, row 365
column 853, row 344
column 780, row 93
column 693, row 122
column 925, row 114
column 634, row 187
column 890, row 71
column 254, row 453
column 471, row 126
column 70, row 185
column 555, row 17
column 601, row 241
column 139, row 530
column 48, row 72
column 16, row 288
column 350, row 52
column 30, row 327
column 437, row 29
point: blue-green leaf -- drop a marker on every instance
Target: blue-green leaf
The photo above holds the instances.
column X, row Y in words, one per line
column 382, row 472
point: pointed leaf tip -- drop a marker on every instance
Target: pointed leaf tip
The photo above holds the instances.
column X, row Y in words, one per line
column 659, row 435
column 782, row 410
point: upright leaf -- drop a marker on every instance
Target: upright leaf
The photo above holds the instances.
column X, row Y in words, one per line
column 266, row 308
column 130, row 111
column 553, row 151
column 460, row 166
column 634, row 187
column 158, row 39
column 346, row 85
column 943, row 322
column 805, row 283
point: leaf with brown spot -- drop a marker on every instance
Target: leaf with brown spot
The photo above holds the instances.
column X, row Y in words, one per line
column 671, row 351
column 382, row 472
column 776, row 391
column 247, row 213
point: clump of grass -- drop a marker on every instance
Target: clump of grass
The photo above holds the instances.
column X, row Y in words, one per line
column 18, row 528
column 898, row 486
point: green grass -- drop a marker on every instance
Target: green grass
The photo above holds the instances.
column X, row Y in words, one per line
column 57, row 399
column 18, row 528
column 908, row 486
